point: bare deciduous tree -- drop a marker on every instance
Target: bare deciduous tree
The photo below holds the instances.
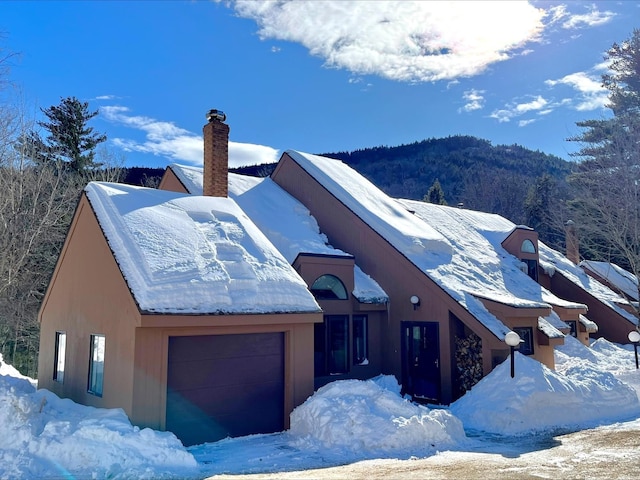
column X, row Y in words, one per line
column 37, row 202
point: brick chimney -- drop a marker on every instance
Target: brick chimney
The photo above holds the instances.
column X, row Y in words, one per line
column 215, row 179
column 571, row 241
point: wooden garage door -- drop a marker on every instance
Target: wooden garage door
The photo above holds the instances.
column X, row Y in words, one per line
column 225, row 385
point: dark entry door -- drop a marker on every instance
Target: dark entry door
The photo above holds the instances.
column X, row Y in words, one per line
column 225, row 385
column 421, row 361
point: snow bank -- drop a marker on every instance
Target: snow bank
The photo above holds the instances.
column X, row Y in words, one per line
column 539, row 399
column 42, row 435
column 371, row 416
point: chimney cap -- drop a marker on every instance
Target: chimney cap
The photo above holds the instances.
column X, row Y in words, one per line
column 214, row 114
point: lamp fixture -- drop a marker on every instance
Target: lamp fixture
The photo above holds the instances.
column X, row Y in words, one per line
column 415, row 301
column 634, row 337
column 513, row 340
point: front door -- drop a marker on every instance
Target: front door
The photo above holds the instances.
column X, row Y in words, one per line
column 421, row 361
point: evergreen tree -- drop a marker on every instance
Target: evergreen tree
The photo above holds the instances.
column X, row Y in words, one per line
column 541, row 208
column 70, row 138
column 607, row 183
column 435, row 194
column 606, row 141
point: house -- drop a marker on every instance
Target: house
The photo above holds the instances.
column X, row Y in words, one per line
column 215, row 305
column 177, row 309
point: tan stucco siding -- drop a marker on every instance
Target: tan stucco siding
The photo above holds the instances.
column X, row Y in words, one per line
column 171, row 183
column 88, row 295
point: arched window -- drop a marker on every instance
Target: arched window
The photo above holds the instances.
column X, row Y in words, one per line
column 329, row 287
column 528, row 247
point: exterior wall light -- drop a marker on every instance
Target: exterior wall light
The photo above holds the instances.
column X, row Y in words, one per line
column 513, row 340
column 415, row 301
column 634, row 337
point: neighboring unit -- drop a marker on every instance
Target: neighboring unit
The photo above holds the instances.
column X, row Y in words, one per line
column 613, row 314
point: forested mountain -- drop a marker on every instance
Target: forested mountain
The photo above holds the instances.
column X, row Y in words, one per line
column 470, row 170
column 520, row 184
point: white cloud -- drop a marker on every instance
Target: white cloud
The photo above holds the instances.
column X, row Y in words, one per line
column 524, row 123
column 591, row 19
column 165, row 139
column 502, row 115
column 557, row 13
column 474, row 99
column 591, row 94
column 537, row 103
column 410, row 41
column 105, row 97
column 512, row 110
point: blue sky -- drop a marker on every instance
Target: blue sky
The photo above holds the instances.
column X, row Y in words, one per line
column 316, row 76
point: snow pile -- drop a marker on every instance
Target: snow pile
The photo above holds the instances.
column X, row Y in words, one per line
column 42, row 435
column 11, row 371
column 343, row 422
column 539, row 399
column 371, row 416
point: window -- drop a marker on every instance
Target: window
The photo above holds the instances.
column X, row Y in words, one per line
column 331, row 347
column 573, row 325
column 329, row 287
column 526, row 335
column 59, row 356
column 532, row 268
column 96, row 365
column 528, row 247
column 360, row 340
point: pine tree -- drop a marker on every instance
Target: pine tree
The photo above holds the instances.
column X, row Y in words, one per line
column 607, row 182
column 606, row 141
column 539, row 206
column 435, row 194
column 70, row 138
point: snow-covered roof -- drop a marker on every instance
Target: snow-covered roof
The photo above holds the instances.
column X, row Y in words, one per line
column 554, row 262
column 626, row 282
column 185, row 254
column 555, row 321
column 479, row 262
column 496, row 229
column 190, row 176
column 548, row 329
column 590, row 326
column 285, row 221
column 461, row 260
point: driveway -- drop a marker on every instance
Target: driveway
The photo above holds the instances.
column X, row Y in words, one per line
column 601, row 453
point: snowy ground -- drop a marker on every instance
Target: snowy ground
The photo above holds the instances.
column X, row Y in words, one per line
column 347, row 422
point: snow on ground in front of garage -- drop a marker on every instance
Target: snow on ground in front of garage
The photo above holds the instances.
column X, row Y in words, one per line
column 347, row 421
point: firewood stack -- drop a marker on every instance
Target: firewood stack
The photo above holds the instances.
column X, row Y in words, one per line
column 468, row 361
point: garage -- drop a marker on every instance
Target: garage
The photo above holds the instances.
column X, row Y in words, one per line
column 225, row 385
